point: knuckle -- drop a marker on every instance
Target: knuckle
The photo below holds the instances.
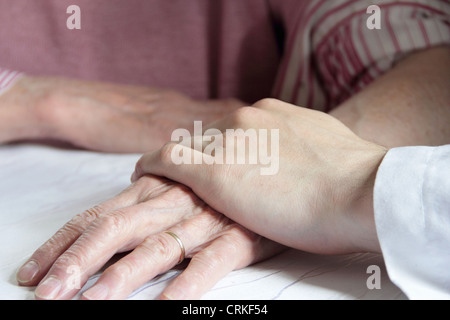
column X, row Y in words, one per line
column 120, row 271
column 211, row 259
column 266, row 103
column 69, row 231
column 86, row 218
column 238, row 237
column 69, row 259
column 47, row 251
column 62, row 239
column 92, row 213
column 242, row 115
column 161, row 246
column 115, row 222
column 165, row 246
column 209, row 221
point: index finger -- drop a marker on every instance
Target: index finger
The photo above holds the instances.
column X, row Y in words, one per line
column 37, row 266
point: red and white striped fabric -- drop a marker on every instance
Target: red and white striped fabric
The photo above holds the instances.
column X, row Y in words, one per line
column 7, row 79
column 331, row 54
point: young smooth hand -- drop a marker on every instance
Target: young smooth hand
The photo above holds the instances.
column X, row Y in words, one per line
column 319, row 200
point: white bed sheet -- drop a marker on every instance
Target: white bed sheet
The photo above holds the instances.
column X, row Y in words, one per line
column 42, row 187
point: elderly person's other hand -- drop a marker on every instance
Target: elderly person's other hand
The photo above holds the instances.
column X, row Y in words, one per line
column 320, row 200
column 136, row 221
column 100, row 116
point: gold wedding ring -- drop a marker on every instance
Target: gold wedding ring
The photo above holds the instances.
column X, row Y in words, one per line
column 183, row 251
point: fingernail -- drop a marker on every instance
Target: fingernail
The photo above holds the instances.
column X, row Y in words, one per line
column 48, row 289
column 133, row 177
column 27, row 272
column 97, row 292
column 172, row 294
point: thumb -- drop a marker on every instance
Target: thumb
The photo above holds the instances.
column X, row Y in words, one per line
column 181, row 164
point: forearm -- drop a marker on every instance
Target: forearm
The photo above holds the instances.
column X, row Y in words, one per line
column 409, row 105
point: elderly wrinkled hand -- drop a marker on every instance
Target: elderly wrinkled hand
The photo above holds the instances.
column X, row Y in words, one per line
column 136, row 222
column 100, row 116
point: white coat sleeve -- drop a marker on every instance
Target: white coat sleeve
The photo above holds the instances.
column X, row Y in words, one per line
column 412, row 216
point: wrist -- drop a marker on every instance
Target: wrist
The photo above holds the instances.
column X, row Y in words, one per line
column 17, row 113
column 360, row 216
column 27, row 108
